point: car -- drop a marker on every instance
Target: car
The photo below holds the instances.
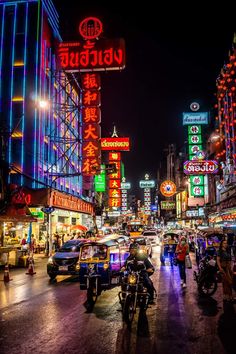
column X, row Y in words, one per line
column 152, row 236
column 66, row 260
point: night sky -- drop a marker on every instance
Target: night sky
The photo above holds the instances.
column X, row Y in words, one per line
column 174, row 56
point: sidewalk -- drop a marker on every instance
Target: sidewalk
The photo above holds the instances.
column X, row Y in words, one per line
column 39, row 259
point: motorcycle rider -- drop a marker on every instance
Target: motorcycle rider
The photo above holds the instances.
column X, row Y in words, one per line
column 149, row 268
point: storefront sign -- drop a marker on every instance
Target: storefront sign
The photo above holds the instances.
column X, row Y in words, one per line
column 118, row 144
column 147, row 184
column 168, row 188
column 197, row 180
column 125, row 185
column 100, row 181
column 165, row 205
column 195, row 118
column 197, row 191
column 191, row 213
column 92, row 55
column 69, row 202
column 200, row 167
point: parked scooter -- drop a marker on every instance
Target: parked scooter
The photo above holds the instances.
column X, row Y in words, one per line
column 207, row 276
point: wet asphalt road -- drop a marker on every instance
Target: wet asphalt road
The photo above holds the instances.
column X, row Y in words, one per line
column 39, row 317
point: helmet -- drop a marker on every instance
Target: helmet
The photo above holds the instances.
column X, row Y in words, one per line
column 183, row 238
column 134, row 246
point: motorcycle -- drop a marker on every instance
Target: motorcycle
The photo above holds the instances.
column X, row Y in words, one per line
column 207, row 277
column 133, row 293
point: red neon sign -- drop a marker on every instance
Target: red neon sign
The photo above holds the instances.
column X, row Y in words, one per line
column 114, row 156
column 91, row 98
column 90, row 28
column 91, row 81
column 114, row 183
column 89, row 56
column 91, row 115
column 118, row 144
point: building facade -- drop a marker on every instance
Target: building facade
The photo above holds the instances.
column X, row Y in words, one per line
column 40, row 122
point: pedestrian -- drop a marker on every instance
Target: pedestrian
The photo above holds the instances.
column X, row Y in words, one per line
column 224, row 264
column 182, row 250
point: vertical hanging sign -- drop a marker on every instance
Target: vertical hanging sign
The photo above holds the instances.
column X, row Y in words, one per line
column 114, row 181
column 91, row 118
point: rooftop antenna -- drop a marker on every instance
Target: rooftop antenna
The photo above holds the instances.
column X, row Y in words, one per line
column 114, row 134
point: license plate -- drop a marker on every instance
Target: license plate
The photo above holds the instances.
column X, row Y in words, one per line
column 63, row 268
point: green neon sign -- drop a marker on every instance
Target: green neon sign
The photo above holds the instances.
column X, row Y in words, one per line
column 197, row 180
column 100, row 181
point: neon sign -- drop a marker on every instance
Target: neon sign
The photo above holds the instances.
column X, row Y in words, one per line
column 89, row 56
column 168, row 188
column 90, row 28
column 200, row 167
column 119, row 144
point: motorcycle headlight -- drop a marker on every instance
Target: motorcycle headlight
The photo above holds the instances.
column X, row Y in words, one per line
column 132, row 279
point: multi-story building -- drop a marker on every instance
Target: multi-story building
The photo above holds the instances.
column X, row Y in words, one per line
column 39, row 107
column 222, row 146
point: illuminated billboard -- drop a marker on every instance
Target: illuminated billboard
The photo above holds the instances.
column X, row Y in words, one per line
column 118, row 144
column 102, row 55
column 168, row 188
column 200, row 167
column 190, row 118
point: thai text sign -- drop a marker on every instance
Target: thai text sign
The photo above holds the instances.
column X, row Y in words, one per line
column 92, row 55
column 195, row 118
column 146, row 184
column 165, row 205
column 125, row 185
column 196, row 167
column 118, row 144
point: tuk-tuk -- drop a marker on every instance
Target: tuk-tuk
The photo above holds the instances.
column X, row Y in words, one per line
column 100, row 263
column 207, row 244
column 168, row 246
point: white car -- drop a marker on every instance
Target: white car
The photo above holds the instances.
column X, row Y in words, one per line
column 152, row 236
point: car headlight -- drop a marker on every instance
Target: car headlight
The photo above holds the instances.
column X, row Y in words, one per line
column 132, row 279
column 50, row 260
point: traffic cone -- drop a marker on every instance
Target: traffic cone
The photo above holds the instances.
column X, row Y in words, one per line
column 31, row 267
column 6, row 276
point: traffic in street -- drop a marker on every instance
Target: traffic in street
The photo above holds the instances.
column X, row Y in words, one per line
column 50, row 317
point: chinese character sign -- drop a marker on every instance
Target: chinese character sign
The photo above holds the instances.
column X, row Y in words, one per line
column 91, row 130
column 115, row 181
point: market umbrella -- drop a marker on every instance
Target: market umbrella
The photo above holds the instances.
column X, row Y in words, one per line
column 79, row 227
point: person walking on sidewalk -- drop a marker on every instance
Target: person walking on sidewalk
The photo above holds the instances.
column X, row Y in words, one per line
column 182, row 250
column 224, row 264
